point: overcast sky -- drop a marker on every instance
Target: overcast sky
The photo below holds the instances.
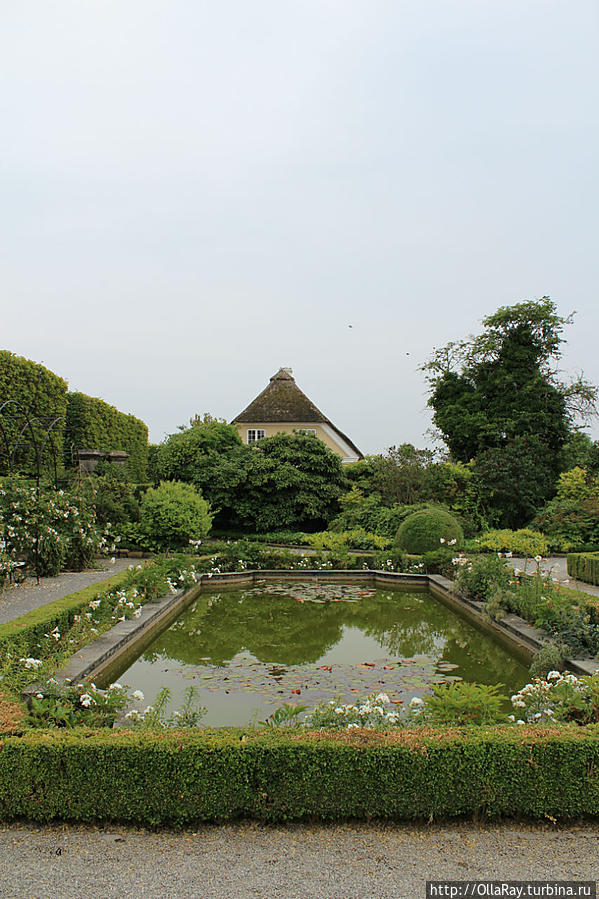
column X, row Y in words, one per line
column 194, row 194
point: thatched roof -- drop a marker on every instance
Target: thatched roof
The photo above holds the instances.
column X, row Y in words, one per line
column 282, row 402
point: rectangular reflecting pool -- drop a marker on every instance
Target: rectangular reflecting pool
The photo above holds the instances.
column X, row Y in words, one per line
column 250, row 650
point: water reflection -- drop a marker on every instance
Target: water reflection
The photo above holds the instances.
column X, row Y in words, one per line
column 274, row 643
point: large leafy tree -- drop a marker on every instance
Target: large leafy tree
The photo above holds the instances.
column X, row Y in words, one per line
column 210, row 455
column 497, row 399
column 292, row 480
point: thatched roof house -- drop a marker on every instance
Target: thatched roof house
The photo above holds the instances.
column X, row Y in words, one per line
column 283, row 407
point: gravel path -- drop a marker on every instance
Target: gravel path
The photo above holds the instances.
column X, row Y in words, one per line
column 17, row 600
column 350, row 861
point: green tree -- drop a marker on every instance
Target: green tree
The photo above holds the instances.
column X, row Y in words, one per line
column 496, row 398
column 210, row 455
column 291, row 480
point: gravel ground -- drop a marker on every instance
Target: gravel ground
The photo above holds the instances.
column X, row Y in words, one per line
column 349, row 861
column 17, row 600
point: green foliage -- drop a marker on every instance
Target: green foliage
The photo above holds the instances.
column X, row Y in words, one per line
column 112, row 495
column 523, row 542
column 292, row 479
column 462, row 703
column 559, row 697
column 513, row 481
column 496, row 399
column 276, row 775
column 392, row 559
column 78, row 706
column 211, row 456
column 174, row 514
column 480, row 578
column 584, row 567
column 439, row 561
column 63, row 524
column 570, row 524
column 427, row 530
column 570, row 616
column 357, row 538
column 94, row 424
column 44, row 395
column 156, row 717
column 550, row 657
column 287, row 714
column 401, row 476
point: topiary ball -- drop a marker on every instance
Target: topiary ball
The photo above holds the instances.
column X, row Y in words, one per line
column 429, row 529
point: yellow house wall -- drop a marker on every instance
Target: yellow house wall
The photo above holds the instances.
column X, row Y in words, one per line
column 288, row 428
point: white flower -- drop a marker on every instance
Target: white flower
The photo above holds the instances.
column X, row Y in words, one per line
column 86, row 700
column 553, row 675
column 415, row 702
column 382, row 697
column 115, row 686
column 441, row 539
column 538, row 559
column 508, row 555
column 137, row 694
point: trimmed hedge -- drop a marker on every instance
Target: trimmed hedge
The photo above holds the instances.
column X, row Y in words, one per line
column 182, row 777
column 60, row 613
column 42, row 393
column 584, row 567
column 428, row 530
column 94, row 424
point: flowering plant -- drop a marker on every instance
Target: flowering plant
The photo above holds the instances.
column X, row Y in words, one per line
column 558, row 697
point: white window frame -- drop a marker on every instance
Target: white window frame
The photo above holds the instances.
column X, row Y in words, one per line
column 254, row 435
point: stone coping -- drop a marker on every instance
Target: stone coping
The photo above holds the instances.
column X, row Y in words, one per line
column 92, row 660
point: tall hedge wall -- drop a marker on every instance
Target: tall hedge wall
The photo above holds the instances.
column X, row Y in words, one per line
column 584, row 567
column 94, row 424
column 180, row 777
column 42, row 393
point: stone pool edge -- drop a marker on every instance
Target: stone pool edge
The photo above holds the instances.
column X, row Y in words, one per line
column 102, row 654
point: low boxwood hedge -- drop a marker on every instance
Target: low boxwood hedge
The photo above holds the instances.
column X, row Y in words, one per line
column 177, row 778
column 584, row 567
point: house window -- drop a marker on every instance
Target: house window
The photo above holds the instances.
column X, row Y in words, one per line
column 307, row 431
column 255, row 434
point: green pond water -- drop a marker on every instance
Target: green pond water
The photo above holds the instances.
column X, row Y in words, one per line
column 249, row 651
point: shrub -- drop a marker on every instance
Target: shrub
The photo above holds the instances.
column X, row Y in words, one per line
column 63, row 524
column 427, row 530
column 393, row 559
column 461, row 703
column 173, row 514
column 559, row 697
column 550, row 657
column 439, row 561
column 584, row 567
column 481, row 578
column 523, row 542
